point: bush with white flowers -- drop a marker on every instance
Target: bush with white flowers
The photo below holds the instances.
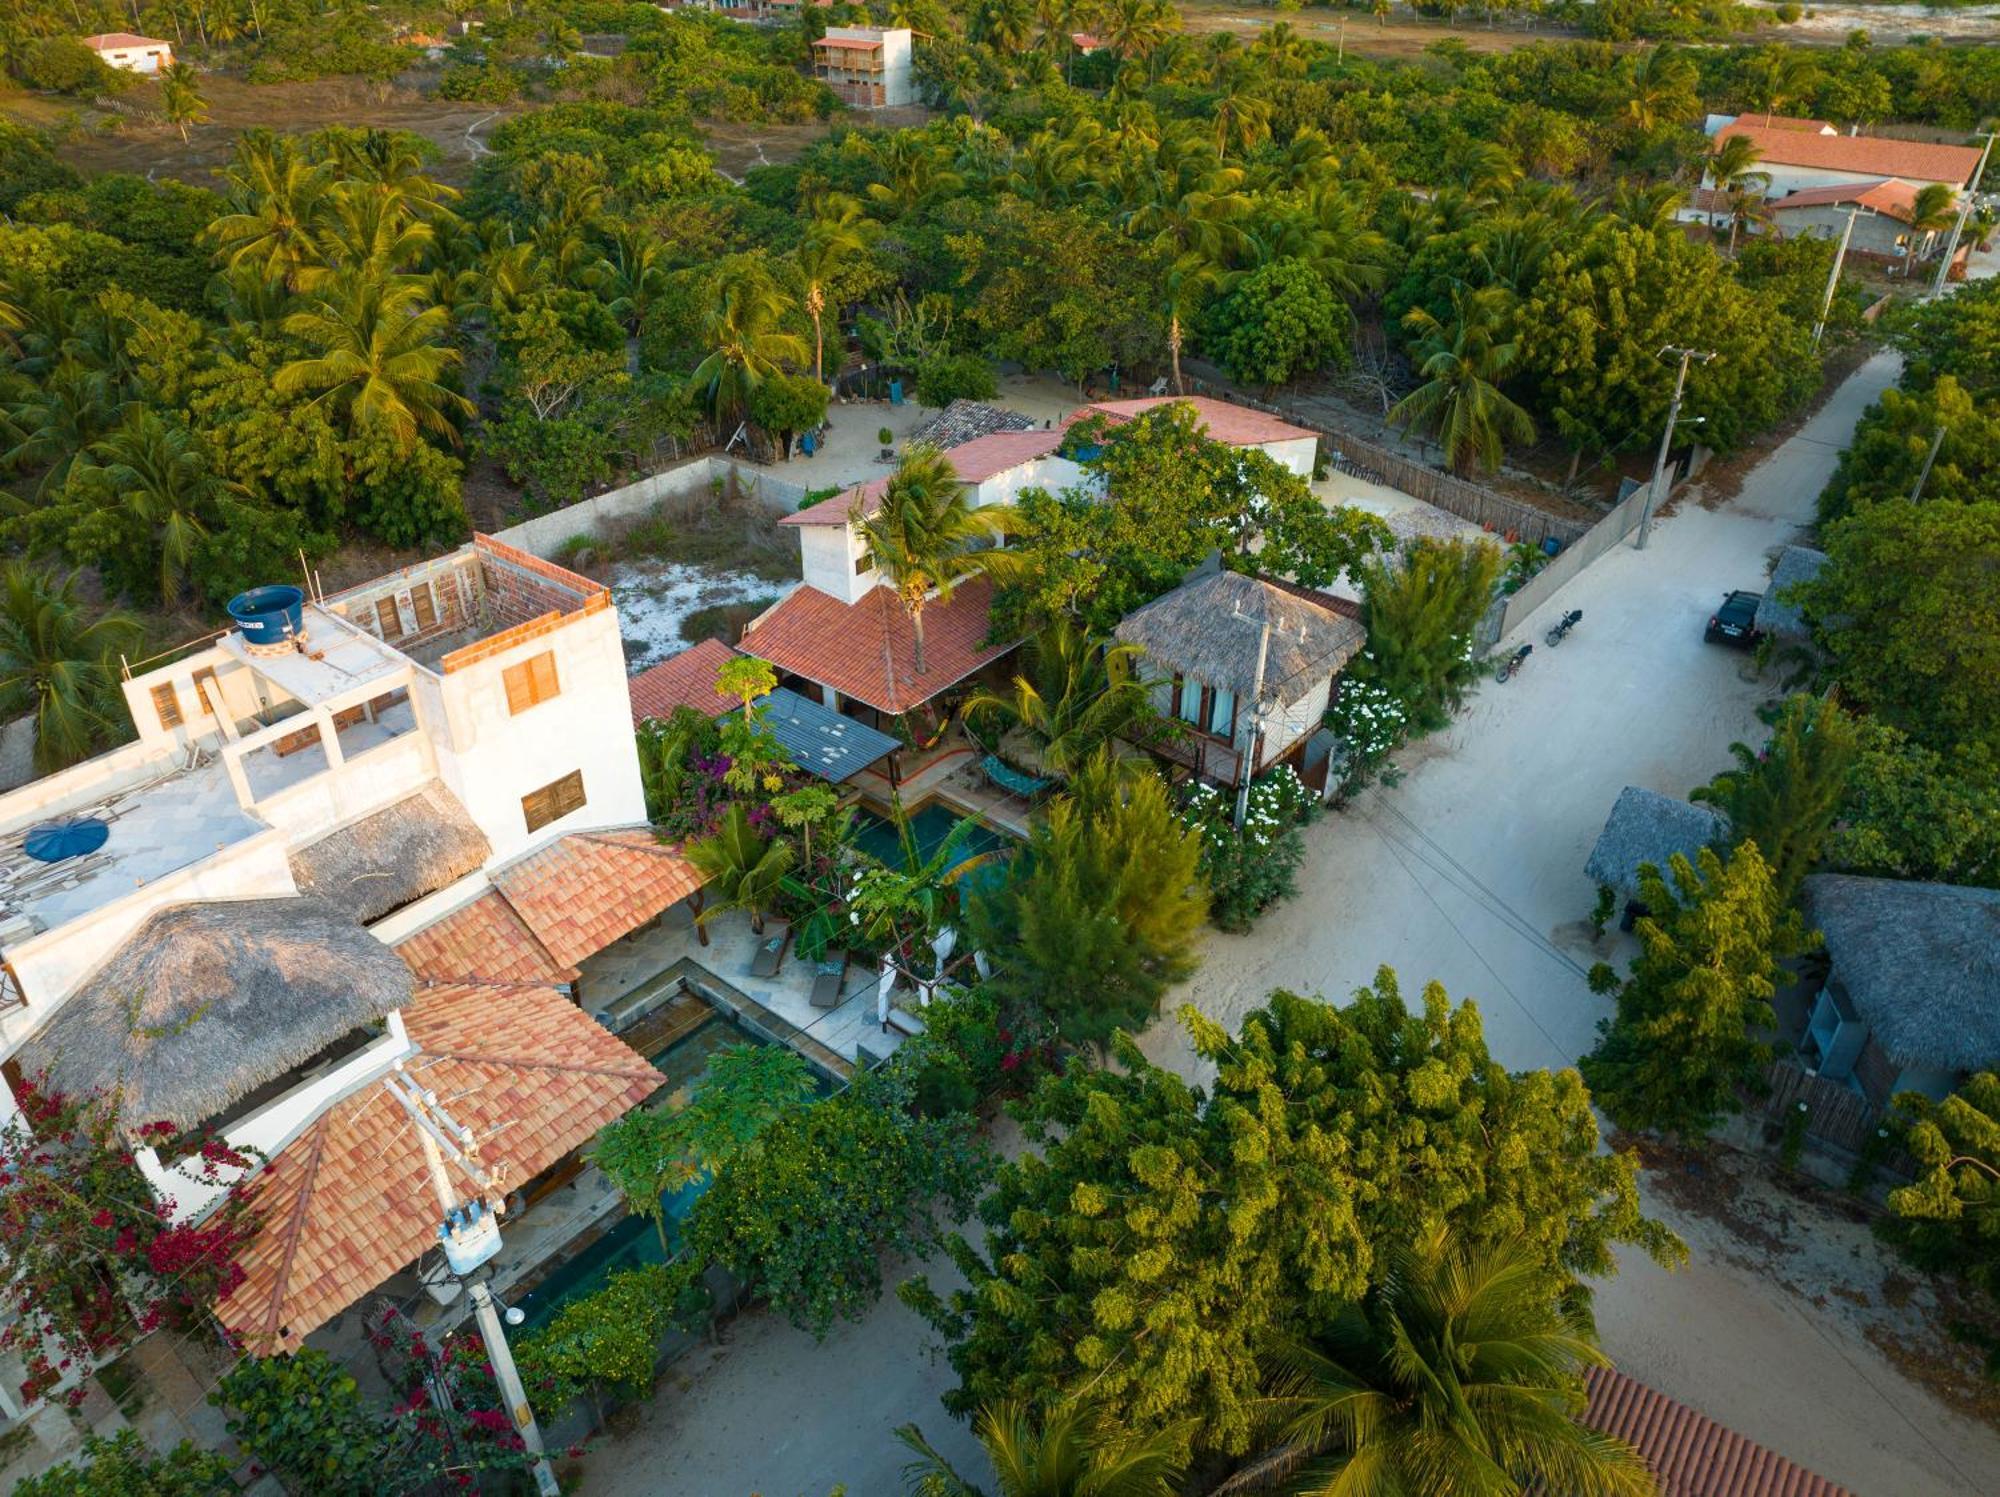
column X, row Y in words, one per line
column 1251, row 868
column 1371, row 722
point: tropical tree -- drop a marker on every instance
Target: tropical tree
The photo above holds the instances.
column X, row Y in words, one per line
column 1074, row 694
column 632, row 273
column 746, row 338
column 1934, row 210
column 1462, row 362
column 156, row 471
column 1460, row 1371
column 278, row 201
column 830, row 241
column 1786, row 797
column 746, row 678
column 927, row 537
column 1070, row 1451
column 1731, row 167
column 379, row 359
column 180, row 98
column 58, row 662
column 1949, row 1217
column 1420, row 608
column 1694, row 1015
column 740, row 869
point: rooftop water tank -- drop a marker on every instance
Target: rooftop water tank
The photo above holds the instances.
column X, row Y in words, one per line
column 268, row 616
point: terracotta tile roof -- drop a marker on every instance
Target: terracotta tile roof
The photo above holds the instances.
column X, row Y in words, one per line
column 850, row 43
column 483, row 941
column 349, row 1202
column 113, row 41
column 583, row 891
column 683, row 680
column 1690, row 1454
column 835, row 511
column 1786, row 122
column 1235, row 424
column 1897, row 199
column 864, row 650
column 1864, row 155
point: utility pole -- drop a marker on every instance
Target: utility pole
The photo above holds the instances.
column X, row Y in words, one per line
column 1833, row 279
column 470, row 1235
column 1653, row 495
column 1924, row 473
column 1246, row 757
column 1958, row 225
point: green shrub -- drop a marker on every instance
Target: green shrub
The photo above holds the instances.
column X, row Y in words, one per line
column 123, row 1466
column 303, row 1417
column 1252, row 869
column 943, row 378
column 613, row 1336
column 481, row 83
column 64, row 65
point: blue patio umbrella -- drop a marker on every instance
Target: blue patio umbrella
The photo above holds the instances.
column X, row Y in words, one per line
column 53, row 841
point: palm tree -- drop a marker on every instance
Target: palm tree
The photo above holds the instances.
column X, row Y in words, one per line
column 1074, row 695
column 56, row 418
column 1189, row 280
column 1463, row 362
column 912, row 172
column 833, row 235
column 1067, row 1452
column 1460, row 1373
column 740, row 870
column 58, row 663
column 1659, row 86
column 180, row 98
column 1934, row 210
column 1732, row 168
column 747, row 339
column 380, row 358
column 632, row 272
column 157, row 472
column 278, row 202
column 927, row 538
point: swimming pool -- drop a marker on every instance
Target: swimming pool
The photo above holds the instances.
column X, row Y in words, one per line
column 631, row 1240
column 929, row 826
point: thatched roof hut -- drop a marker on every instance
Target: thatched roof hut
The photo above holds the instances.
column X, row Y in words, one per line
column 1647, row 827
column 1776, row 618
column 205, row 1003
column 1207, row 630
column 380, row 863
column 1920, row 963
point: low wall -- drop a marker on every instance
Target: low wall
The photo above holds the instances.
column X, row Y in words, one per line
column 544, row 533
column 1510, row 611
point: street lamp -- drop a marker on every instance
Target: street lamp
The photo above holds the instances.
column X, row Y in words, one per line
column 1653, row 496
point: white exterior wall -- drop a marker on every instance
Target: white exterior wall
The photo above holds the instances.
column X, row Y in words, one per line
column 1293, row 721
column 491, row 758
column 899, row 84
column 1294, row 453
column 1789, row 179
column 827, row 558
column 138, row 59
column 1052, row 473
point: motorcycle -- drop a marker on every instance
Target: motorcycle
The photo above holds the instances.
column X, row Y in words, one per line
column 1511, row 666
column 1562, row 627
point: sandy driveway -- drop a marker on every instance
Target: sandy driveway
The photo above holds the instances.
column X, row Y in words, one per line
column 1470, row 872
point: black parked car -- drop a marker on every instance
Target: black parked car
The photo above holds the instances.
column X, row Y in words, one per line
column 1735, row 622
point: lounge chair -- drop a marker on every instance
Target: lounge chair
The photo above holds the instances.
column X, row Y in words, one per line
column 829, row 977
column 770, row 954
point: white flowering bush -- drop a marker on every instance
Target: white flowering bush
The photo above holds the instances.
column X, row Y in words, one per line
column 1251, row 868
column 1371, row 722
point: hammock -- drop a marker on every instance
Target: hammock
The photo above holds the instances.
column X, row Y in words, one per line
column 1012, row 780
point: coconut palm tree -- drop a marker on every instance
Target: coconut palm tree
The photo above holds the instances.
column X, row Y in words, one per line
column 747, row 339
column 1659, row 85
column 1189, row 282
column 1732, row 168
column 156, row 471
column 1073, row 695
column 1463, row 362
column 278, row 203
column 833, row 236
column 59, row 663
column 927, row 538
column 1934, row 210
column 631, row 273
column 1067, row 1452
column 740, row 869
column 380, row 358
column 180, row 98
column 1460, row 1373
column 55, row 418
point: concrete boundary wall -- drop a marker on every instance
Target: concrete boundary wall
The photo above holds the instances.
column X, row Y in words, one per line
column 541, row 535
column 1511, row 611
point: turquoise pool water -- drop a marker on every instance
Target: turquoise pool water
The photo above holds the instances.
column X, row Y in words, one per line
column 877, row 837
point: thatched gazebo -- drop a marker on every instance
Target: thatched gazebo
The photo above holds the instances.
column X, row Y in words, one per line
column 1777, row 619
column 205, row 1003
column 1647, row 827
column 423, row 843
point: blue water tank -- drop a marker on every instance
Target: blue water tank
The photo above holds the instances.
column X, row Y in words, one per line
column 269, row 615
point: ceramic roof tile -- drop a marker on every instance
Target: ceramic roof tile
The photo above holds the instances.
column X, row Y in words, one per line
column 482, row 941
column 583, row 891
column 866, row 650
column 350, row 1202
column 1865, row 155
column 683, row 680
column 1237, row 425
column 1690, row 1454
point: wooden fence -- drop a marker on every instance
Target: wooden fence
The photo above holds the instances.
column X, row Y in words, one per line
column 1364, row 459
column 1835, row 1114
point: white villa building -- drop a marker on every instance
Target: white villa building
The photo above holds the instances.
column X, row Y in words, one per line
column 385, row 837
column 869, row 68
column 131, row 54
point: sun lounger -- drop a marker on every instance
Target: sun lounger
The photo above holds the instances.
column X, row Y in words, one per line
column 829, row 977
column 770, row 954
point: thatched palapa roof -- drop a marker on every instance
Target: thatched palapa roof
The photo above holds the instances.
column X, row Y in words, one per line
column 1208, row 630
column 380, row 863
column 204, row 1003
column 1775, row 617
column 1647, row 827
column 1921, row 963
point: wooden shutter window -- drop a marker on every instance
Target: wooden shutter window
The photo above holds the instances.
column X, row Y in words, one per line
column 390, row 620
column 553, row 802
column 530, row 682
column 424, row 606
column 167, row 703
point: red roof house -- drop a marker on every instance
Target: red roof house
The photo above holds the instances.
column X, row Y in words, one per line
column 1690, row 1454
column 683, row 680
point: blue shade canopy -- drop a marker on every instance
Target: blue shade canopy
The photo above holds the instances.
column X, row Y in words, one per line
column 53, row 841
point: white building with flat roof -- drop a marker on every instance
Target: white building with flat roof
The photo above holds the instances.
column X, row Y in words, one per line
column 131, row 54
